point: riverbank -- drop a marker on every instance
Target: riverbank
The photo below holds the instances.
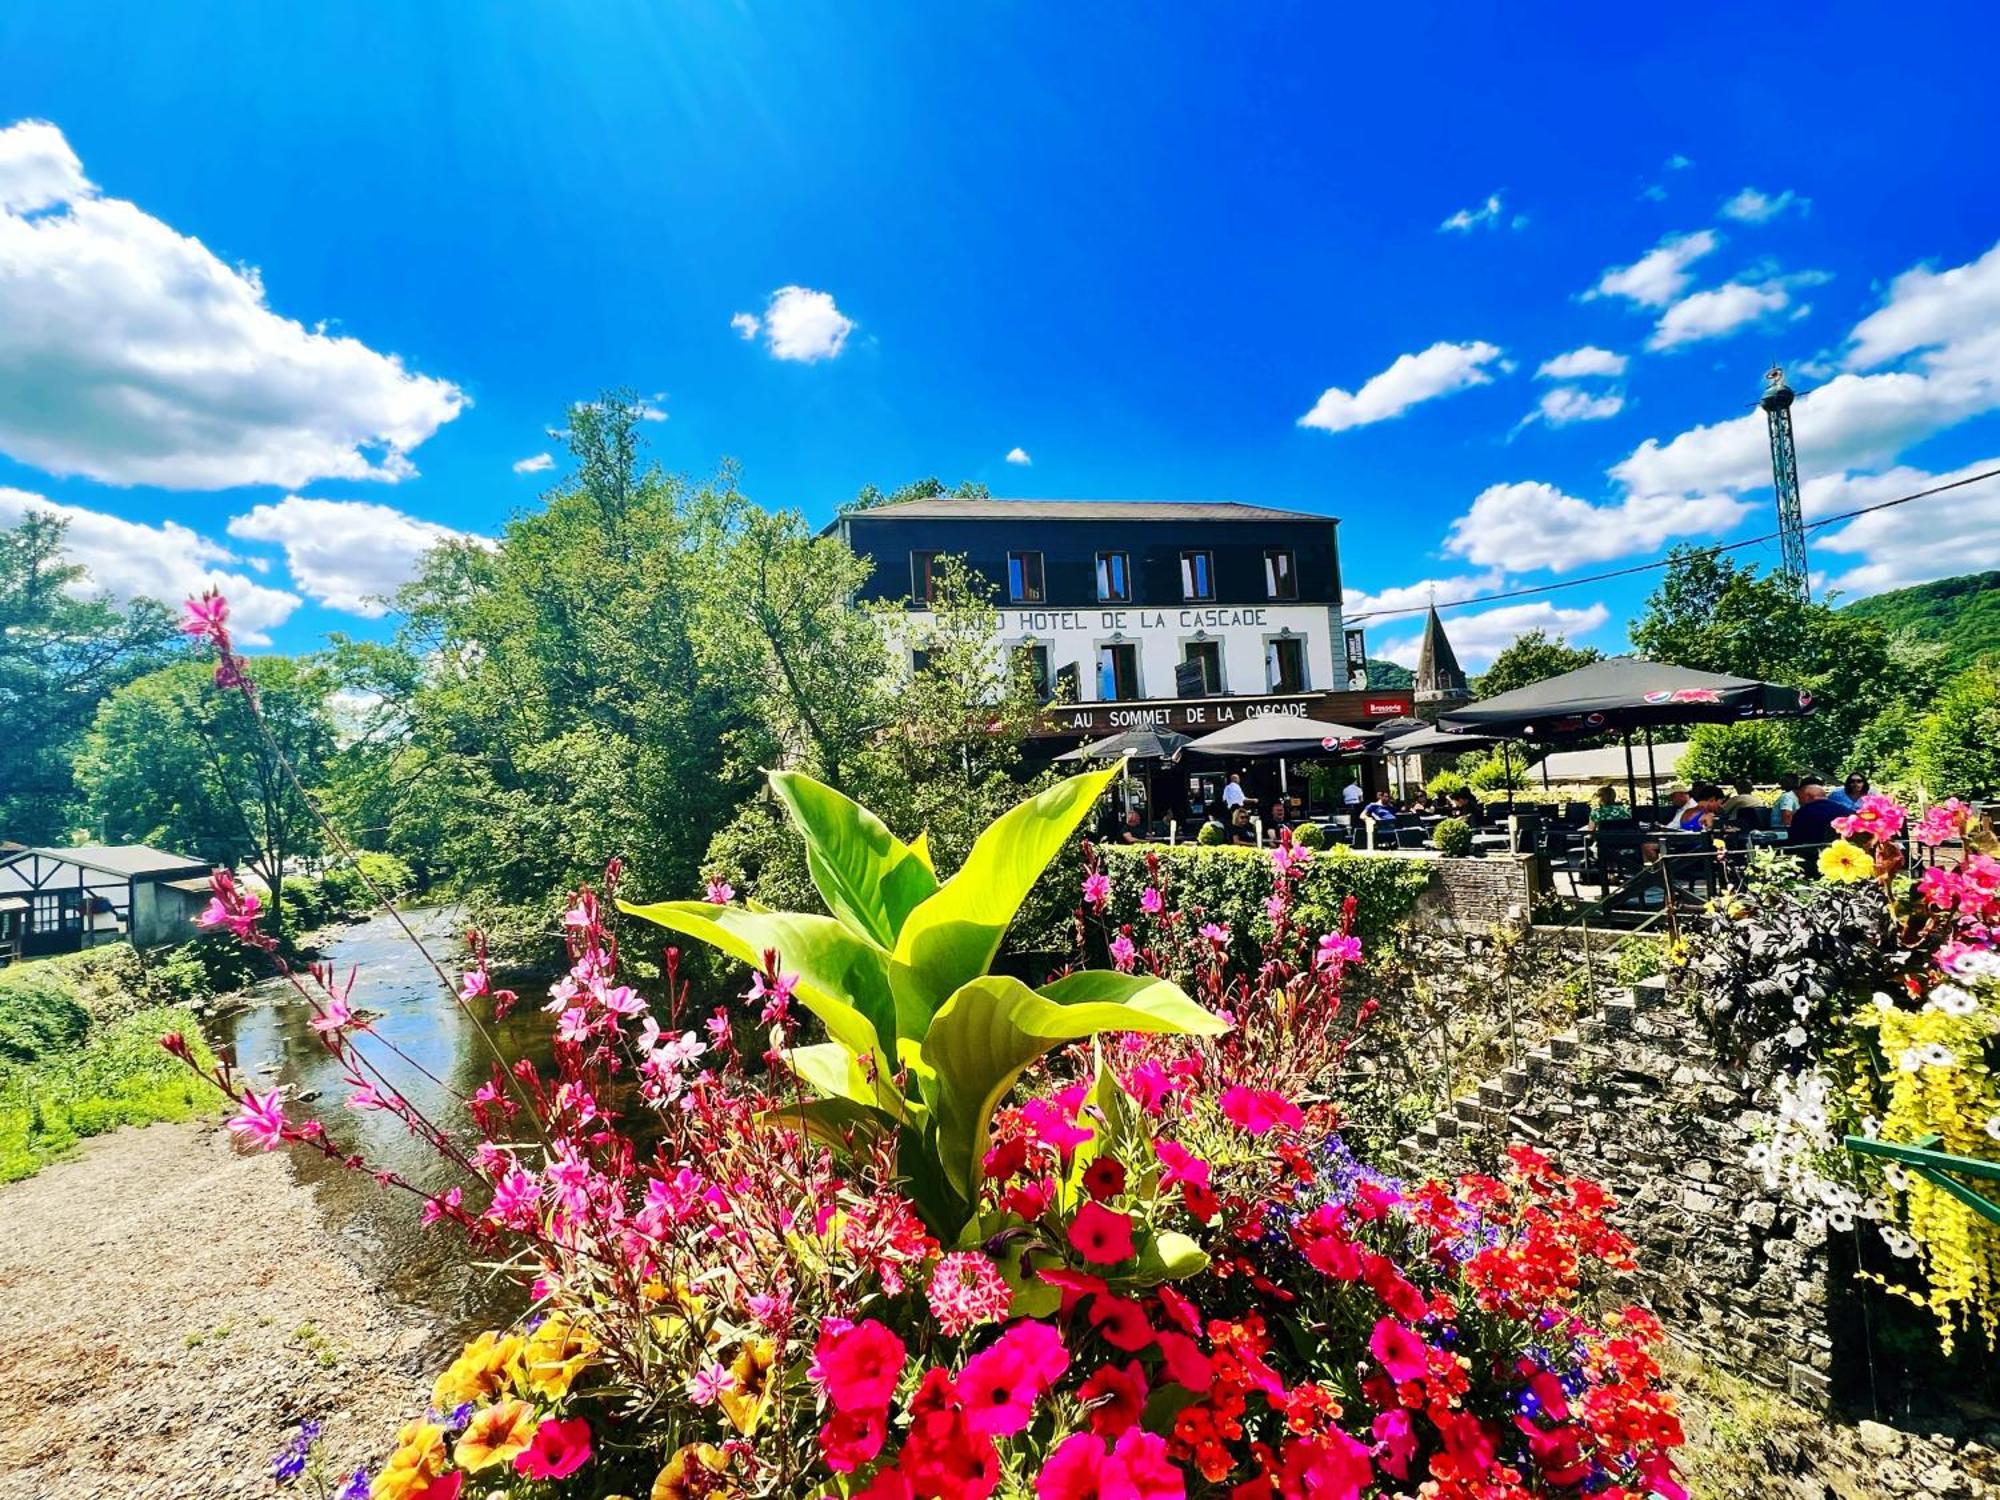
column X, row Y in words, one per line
column 175, row 1308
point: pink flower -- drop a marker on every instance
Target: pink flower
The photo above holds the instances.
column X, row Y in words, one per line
column 1040, row 1348
column 1337, row 948
column 1400, row 1353
column 1274, row 906
column 365, row 1097
column 1332, row 1466
column 966, row 1290
column 706, row 1385
column 1259, row 1111
column 1943, row 822
column 852, row 1438
column 473, row 984
column 560, row 1448
column 206, row 617
column 1123, row 953
column 1396, row 1443
column 1101, row 1235
column 1151, row 1085
column 721, row 892
column 1179, row 1165
column 1053, row 1121
column 438, row 1208
column 1151, row 902
column 1136, row 1468
column 1096, row 889
column 775, row 990
column 998, row 1390
column 1217, row 935
column 857, row 1364
column 233, row 908
column 260, row 1119
column 333, row 1016
column 1287, row 856
column 1183, row 1362
column 515, row 1197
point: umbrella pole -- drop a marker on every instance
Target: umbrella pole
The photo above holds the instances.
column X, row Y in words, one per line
column 1507, row 771
column 1631, row 777
column 1284, row 785
column 1652, row 771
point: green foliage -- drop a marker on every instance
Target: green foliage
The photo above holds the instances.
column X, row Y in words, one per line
column 1444, row 783
column 344, row 887
column 39, row 1012
column 1386, row 674
column 1755, row 751
column 1956, row 750
column 1960, row 614
column 1452, row 838
column 1309, row 836
column 1640, row 958
column 1211, row 835
column 213, row 963
column 119, row 1075
column 1882, row 750
column 1534, row 656
column 870, row 496
column 1230, row 885
column 61, row 652
column 899, row 978
column 1497, row 773
column 173, row 760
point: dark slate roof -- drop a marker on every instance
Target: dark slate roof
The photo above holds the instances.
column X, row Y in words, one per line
column 122, row 859
column 956, row 508
column 1438, row 672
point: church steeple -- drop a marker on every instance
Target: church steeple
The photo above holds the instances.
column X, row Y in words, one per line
column 1440, row 679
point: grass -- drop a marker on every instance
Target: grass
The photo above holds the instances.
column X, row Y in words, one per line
column 114, row 1075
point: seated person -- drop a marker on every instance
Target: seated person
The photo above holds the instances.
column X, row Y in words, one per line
column 1609, row 809
column 1278, row 820
column 1742, row 796
column 1133, row 830
column 1812, row 825
column 1240, row 831
column 1703, row 810
column 1465, row 805
column 1672, row 810
column 1788, row 800
column 1417, row 802
column 1382, row 809
column 1847, row 796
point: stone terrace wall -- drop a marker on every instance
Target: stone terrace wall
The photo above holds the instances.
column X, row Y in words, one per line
column 1637, row 1097
column 1476, row 895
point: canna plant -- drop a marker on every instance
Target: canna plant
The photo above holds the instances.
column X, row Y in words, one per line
column 923, row 1041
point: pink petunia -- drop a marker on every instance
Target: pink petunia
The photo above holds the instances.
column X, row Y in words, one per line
column 560, row 1448
column 1400, row 1353
column 1259, row 1111
column 857, row 1364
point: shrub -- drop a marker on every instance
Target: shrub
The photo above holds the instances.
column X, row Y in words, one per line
column 1722, row 753
column 207, row 965
column 345, row 894
column 1957, row 747
column 1444, row 784
column 1211, row 835
column 39, row 1012
column 1497, row 773
column 1309, row 836
column 301, row 905
column 1452, row 838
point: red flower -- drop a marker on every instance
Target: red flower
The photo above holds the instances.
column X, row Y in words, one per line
column 1113, row 1398
column 1136, row 1468
column 1396, row 1443
column 1259, row 1111
column 1400, row 1353
column 1179, row 1309
column 1559, row 1454
column 852, row 1438
column 558, row 1451
column 1104, row 1178
column 1200, row 1202
column 1330, row 1467
column 1006, row 1158
column 857, row 1365
column 1030, row 1199
column 999, row 1392
column 1184, row 1362
column 1101, row 1236
column 1180, row 1165
column 1122, row 1322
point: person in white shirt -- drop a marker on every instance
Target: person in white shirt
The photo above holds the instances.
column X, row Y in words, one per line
column 1351, row 795
column 1232, row 794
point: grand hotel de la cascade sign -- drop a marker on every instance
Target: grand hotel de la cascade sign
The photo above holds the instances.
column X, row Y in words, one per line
column 1188, row 616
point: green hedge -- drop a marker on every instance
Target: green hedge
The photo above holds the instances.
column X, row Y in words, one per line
column 1230, row 884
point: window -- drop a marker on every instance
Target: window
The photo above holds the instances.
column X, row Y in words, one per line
column 1117, row 669
column 1281, row 576
column 1034, row 660
column 1207, row 655
column 1024, row 577
column 1285, row 664
column 923, row 576
column 920, row 660
column 1198, row 575
column 56, row 911
column 1114, row 578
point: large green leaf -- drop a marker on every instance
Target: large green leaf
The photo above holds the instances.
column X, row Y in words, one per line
column 952, row 937
column 869, row 878
column 993, row 1027
column 833, row 1072
column 843, row 979
column 836, row 1122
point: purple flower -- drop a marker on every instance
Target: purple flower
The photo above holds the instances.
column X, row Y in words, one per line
column 356, row 1487
column 291, row 1460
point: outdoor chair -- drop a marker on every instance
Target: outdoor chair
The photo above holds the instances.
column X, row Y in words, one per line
column 1577, row 814
column 1411, row 837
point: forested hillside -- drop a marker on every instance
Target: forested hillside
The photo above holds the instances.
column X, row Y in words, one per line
column 1963, row 614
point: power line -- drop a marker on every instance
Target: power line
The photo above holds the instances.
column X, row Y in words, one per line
column 1661, row 562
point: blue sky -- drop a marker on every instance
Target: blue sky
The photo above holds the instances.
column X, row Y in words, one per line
column 284, row 290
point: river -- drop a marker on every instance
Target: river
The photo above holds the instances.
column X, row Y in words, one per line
column 272, row 1041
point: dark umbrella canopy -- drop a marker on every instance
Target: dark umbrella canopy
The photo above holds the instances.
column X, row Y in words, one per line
column 1427, row 740
column 1621, row 694
column 1396, row 728
column 1137, row 744
column 1282, row 734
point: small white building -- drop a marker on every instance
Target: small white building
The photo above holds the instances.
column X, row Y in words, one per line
column 66, row 899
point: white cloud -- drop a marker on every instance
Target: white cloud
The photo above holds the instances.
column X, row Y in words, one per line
column 1938, row 537
column 167, row 562
column 650, row 409
column 1753, row 207
column 1408, row 596
column 1926, row 309
column 1678, row 163
column 1490, row 213
column 1437, row 371
column 799, row 324
column 1661, row 274
column 1718, row 311
column 534, row 463
column 346, row 554
column 1577, row 363
column 1477, row 636
column 1529, row 525
column 1019, row 456
column 131, row 354
column 1568, row 403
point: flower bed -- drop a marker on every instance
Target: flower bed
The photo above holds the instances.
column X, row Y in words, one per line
column 1096, row 1237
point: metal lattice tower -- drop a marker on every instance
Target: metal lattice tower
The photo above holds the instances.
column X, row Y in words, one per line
column 1777, row 404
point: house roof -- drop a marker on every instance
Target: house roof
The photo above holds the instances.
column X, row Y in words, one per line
column 122, row 859
column 1608, row 762
column 957, row 508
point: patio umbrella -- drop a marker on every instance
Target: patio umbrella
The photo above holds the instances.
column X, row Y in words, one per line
column 1396, row 728
column 1284, row 736
column 1427, row 740
column 1133, row 744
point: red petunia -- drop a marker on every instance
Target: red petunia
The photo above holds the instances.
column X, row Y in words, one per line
column 1122, row 1321
column 857, row 1365
column 1101, row 1236
column 558, row 1451
column 1104, row 1178
column 1184, row 1362
column 1113, row 1397
column 852, row 1438
column 1400, row 1353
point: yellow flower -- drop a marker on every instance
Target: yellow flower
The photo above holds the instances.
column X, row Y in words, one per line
column 683, row 1305
column 489, row 1364
column 749, row 1390
column 556, row 1354
column 1845, row 863
column 676, row 1479
column 496, row 1435
column 418, row 1463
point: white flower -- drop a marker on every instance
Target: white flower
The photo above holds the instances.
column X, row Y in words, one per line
column 1796, row 1037
column 1801, row 1006
column 1899, row 1243
column 1993, row 1127
column 1758, row 1156
column 1952, row 1000
column 1872, row 1127
column 1936, row 1055
column 1895, row 1176
column 1839, row 1220
column 1909, row 1060
column 1883, row 1001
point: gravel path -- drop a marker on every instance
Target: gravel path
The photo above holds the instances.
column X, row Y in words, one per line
column 170, row 1309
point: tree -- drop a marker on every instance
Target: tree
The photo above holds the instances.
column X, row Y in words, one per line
column 1957, row 746
column 869, row 496
column 1726, row 753
column 171, row 759
column 60, row 654
column 1532, row 657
